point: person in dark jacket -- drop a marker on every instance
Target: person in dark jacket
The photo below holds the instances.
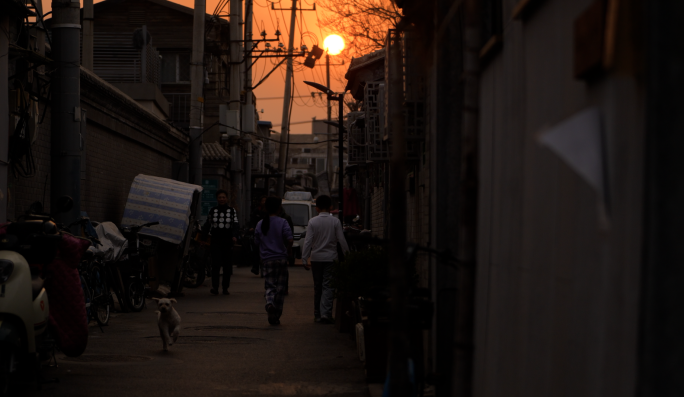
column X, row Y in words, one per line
column 258, row 213
column 222, row 223
column 274, row 238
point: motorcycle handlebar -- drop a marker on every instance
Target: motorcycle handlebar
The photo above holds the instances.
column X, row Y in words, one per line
column 79, row 221
column 136, row 229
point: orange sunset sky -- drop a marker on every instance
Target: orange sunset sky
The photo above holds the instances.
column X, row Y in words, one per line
column 309, row 30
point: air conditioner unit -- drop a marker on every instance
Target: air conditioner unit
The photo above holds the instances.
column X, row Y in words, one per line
column 229, row 121
column 223, row 121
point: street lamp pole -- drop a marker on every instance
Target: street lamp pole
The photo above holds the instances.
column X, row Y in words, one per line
column 340, row 156
column 340, row 130
column 329, row 152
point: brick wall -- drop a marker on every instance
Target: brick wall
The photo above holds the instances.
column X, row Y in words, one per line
column 122, row 140
column 113, row 161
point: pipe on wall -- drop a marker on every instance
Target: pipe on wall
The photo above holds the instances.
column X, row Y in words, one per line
column 66, row 108
column 4, row 117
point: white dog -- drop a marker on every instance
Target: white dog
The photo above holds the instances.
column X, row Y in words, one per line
column 168, row 321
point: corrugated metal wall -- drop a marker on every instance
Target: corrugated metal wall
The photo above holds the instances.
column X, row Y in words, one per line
column 557, row 290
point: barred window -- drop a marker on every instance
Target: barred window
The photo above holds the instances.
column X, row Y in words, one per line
column 175, row 67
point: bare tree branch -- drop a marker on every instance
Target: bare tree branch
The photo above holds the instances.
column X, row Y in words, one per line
column 362, row 23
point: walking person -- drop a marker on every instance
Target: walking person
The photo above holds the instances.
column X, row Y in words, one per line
column 273, row 236
column 323, row 234
column 257, row 215
column 222, row 223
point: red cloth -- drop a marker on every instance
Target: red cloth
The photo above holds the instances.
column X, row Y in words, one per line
column 351, row 202
column 68, row 318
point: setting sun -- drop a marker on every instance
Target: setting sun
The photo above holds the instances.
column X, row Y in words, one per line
column 334, row 44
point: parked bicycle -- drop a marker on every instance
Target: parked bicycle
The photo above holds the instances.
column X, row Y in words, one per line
column 135, row 268
column 96, row 290
column 197, row 263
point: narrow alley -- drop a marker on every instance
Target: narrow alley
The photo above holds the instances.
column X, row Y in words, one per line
column 226, row 348
column 488, row 193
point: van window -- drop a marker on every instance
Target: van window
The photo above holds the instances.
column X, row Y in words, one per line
column 298, row 212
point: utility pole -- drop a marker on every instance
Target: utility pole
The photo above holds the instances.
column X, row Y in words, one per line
column 285, row 125
column 66, row 107
column 236, row 177
column 248, row 115
column 340, row 159
column 4, row 116
column 88, row 34
column 196, row 89
column 329, row 136
column 235, row 56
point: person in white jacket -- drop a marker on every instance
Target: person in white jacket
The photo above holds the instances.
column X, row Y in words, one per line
column 323, row 234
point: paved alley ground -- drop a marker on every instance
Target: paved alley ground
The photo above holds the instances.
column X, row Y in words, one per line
column 226, row 348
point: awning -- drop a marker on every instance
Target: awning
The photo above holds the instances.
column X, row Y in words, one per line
column 155, row 199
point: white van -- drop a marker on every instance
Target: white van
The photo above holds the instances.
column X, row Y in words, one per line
column 300, row 211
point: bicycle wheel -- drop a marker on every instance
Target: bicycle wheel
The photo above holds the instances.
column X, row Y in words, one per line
column 135, row 295
column 100, row 305
column 87, row 296
column 118, row 287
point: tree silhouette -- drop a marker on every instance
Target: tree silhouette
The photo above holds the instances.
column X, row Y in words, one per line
column 362, row 23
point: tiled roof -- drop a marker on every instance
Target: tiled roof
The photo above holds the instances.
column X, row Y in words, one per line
column 214, row 151
column 361, row 62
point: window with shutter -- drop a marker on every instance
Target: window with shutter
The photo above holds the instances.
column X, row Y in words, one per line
column 184, row 67
column 175, row 67
column 136, row 15
column 169, row 68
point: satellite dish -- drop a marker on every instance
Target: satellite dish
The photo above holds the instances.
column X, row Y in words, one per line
column 138, row 38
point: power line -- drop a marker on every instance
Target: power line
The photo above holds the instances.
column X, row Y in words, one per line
column 300, row 122
column 279, row 97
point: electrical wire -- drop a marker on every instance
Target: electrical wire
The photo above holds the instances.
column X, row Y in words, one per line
column 266, row 138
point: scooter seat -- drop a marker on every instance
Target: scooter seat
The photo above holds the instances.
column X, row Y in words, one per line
column 93, row 252
column 36, row 285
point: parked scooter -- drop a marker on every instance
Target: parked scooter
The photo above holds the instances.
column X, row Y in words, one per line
column 355, row 229
column 24, row 304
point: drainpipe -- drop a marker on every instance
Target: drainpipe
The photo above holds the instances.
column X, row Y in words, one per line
column 248, row 179
column 399, row 384
column 196, row 90
column 466, row 245
column 88, row 34
column 247, row 118
column 4, row 117
column 66, row 107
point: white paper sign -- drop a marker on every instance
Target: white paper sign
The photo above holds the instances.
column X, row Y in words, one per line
column 578, row 141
